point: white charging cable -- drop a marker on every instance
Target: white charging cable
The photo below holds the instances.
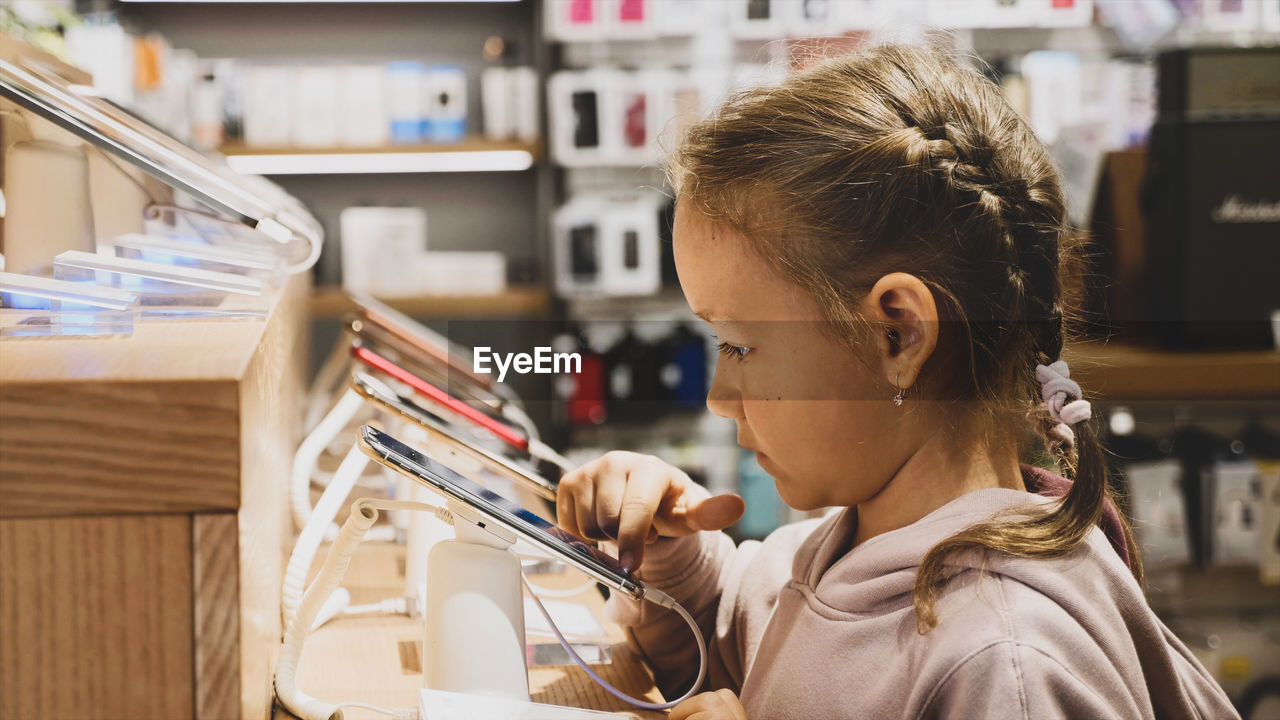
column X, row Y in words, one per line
column 307, row 458
column 299, row 626
column 658, row 598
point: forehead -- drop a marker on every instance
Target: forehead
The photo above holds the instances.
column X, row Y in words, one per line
column 725, row 280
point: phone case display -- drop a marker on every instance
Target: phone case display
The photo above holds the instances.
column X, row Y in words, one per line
column 581, row 117
column 607, row 245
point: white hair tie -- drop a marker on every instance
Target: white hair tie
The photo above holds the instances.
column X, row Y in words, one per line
column 1061, row 397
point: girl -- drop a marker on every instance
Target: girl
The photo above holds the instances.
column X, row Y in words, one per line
column 880, row 243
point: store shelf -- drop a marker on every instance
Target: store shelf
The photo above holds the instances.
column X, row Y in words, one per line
column 1124, row 371
column 471, row 155
column 516, row 301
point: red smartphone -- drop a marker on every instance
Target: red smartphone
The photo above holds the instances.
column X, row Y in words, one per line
column 504, row 429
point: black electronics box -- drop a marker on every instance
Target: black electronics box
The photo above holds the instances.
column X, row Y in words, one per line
column 1212, row 199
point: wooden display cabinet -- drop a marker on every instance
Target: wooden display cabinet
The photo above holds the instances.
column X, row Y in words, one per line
column 143, row 515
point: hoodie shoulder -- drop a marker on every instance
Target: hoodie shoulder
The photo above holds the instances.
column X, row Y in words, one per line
column 1067, row 637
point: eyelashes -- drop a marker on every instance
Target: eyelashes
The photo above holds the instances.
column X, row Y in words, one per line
column 737, row 352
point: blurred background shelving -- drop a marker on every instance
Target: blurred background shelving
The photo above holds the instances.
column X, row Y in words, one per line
column 612, row 93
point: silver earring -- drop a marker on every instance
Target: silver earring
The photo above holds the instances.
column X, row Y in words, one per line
column 900, row 395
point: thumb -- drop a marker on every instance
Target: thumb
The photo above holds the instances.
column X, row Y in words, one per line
column 716, row 512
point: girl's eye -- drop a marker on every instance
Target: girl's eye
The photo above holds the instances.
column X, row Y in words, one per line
column 737, row 352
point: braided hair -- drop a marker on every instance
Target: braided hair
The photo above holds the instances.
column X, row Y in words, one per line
column 898, row 158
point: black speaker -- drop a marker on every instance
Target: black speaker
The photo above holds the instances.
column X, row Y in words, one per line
column 1212, row 198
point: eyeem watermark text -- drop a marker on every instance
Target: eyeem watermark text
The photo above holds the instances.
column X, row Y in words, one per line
column 542, row 362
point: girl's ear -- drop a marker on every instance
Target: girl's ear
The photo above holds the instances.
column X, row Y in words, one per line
column 902, row 307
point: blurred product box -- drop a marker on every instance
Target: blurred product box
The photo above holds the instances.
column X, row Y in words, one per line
column 363, row 121
column 461, row 273
column 406, row 103
column 444, row 118
column 1213, row 197
column 509, row 103
column 267, row 95
column 314, row 107
column 381, row 248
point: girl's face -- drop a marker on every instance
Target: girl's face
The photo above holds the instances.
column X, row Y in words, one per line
column 820, row 420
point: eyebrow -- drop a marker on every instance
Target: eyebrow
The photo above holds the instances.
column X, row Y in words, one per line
column 709, row 317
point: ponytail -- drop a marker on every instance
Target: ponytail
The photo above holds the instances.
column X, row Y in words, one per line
column 1039, row 532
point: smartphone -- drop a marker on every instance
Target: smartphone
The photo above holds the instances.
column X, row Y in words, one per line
column 424, row 339
column 425, row 366
column 507, row 431
column 384, row 397
column 525, row 524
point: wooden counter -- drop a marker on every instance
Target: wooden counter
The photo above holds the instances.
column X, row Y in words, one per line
column 143, row 515
column 377, row 659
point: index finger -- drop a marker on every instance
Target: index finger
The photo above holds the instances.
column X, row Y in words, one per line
column 648, row 489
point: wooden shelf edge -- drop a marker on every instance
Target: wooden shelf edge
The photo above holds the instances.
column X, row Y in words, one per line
column 1127, row 371
column 515, row 301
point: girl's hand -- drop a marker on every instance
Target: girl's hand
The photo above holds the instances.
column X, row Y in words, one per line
column 635, row 498
column 718, row 705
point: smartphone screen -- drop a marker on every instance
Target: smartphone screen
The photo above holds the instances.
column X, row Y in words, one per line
column 525, row 524
column 378, row 393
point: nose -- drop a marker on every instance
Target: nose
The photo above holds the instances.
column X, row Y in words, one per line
column 723, row 397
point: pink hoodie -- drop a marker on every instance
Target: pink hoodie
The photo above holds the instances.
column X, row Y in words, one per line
column 801, row 629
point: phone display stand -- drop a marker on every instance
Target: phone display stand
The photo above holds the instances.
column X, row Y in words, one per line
column 473, row 625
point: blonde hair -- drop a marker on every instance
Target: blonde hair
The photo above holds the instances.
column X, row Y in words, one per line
column 897, row 158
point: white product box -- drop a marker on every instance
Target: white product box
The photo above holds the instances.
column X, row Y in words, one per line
column 406, row 105
column 462, row 273
column 445, row 90
column 1235, row 506
column 363, row 120
column 497, row 106
column 1159, row 507
column 266, row 107
column 1269, row 532
column 680, row 18
column 381, row 247
column 106, row 52
column 526, row 92
column 1055, row 83
column 314, row 107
